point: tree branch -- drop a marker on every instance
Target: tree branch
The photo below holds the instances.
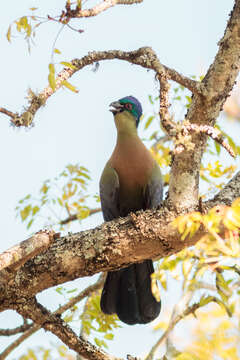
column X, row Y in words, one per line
column 204, row 110
column 16, row 256
column 9, row 332
column 75, row 217
column 67, row 15
column 144, row 57
column 113, row 245
column 35, row 327
column 32, row 309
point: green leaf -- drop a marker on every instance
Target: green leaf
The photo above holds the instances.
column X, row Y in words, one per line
column 59, row 290
column 150, row 99
column 30, row 223
column 98, row 342
column 35, row 209
column 71, row 291
column 109, row 336
column 217, row 147
column 205, row 300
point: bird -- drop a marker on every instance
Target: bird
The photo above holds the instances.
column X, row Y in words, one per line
column 130, row 181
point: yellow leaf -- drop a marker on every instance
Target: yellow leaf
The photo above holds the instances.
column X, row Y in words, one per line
column 23, row 22
column 69, row 86
column 9, row 33
column 57, row 51
column 51, row 77
column 68, row 64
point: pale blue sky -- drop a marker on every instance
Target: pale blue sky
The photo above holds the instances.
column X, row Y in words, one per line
column 78, row 127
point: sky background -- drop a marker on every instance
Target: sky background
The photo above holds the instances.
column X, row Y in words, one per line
column 78, row 128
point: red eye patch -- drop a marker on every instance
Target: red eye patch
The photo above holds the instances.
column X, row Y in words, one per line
column 128, row 106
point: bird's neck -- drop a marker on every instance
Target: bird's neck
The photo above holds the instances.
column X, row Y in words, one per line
column 124, row 135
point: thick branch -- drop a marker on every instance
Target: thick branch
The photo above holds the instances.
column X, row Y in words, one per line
column 204, row 110
column 113, row 245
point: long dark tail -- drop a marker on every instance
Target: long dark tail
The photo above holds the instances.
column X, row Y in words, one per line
column 127, row 293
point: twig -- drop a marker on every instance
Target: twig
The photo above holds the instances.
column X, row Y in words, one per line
column 144, row 57
column 173, row 321
column 34, row 327
column 7, row 112
column 17, row 330
column 75, row 217
column 181, row 134
column 67, row 15
column 214, row 133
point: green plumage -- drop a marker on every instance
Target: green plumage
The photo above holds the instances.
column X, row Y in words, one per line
column 131, row 181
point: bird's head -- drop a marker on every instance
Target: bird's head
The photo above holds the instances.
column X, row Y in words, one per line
column 127, row 112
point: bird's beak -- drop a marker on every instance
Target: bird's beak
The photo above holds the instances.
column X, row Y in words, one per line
column 117, row 107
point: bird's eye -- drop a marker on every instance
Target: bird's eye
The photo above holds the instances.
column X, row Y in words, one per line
column 128, row 106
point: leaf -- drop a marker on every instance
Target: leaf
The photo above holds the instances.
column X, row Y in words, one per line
column 68, row 318
column 31, row 355
column 185, row 356
column 189, row 99
column 68, row 64
column 60, row 201
column 30, row 223
column 59, row 290
column 71, row 291
column 148, row 122
column 98, row 342
column 33, row 8
column 29, row 30
column 109, row 336
column 8, row 35
column 217, row 147
column 150, row 99
column 205, row 300
column 57, row 51
column 35, row 209
column 51, row 76
column 44, row 189
column 24, row 22
column 69, row 86
column 25, row 212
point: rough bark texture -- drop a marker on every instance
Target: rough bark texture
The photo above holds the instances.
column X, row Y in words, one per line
column 220, row 78
column 34, row 265
column 115, row 244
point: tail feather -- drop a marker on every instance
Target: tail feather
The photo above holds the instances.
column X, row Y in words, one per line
column 128, row 293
